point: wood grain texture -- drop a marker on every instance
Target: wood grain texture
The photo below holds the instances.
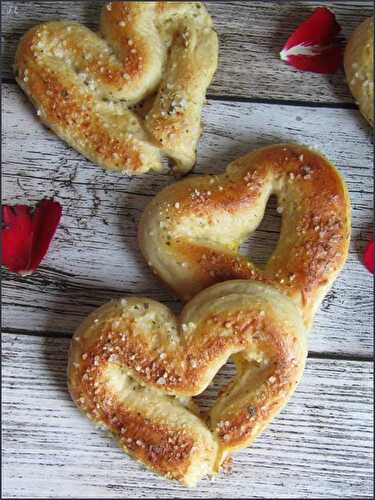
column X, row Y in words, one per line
column 320, row 446
column 95, row 254
column 251, row 35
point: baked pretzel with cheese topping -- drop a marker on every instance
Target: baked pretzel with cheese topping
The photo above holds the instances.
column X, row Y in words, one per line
column 191, row 232
column 133, row 368
column 160, row 56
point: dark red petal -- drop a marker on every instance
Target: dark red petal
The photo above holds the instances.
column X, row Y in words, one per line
column 327, row 61
column 26, row 235
column 16, row 237
column 46, row 219
column 319, row 29
column 368, row 257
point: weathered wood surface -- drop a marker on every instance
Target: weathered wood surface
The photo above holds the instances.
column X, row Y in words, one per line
column 320, row 446
column 251, row 35
column 95, row 254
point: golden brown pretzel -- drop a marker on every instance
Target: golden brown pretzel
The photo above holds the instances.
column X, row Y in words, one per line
column 133, row 368
column 191, row 231
column 85, row 86
column 359, row 67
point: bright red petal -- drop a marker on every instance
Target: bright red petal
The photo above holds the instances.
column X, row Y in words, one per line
column 319, row 29
column 17, row 237
column 312, row 46
column 46, row 219
column 368, row 257
column 26, row 235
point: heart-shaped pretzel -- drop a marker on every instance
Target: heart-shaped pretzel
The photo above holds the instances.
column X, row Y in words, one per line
column 86, row 86
column 191, row 231
column 133, row 368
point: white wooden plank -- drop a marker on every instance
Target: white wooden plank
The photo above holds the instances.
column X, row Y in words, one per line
column 319, row 447
column 251, row 35
column 95, row 254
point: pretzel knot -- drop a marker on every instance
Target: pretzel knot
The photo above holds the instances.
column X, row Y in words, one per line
column 133, row 368
column 191, row 232
column 127, row 96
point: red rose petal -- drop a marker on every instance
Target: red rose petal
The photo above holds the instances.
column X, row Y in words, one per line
column 311, row 47
column 26, row 235
column 368, row 257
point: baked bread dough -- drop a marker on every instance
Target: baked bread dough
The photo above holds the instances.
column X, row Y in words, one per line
column 131, row 94
column 359, row 67
column 133, row 368
column 191, row 232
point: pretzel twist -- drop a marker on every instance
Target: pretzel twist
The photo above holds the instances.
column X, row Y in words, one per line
column 191, row 232
column 86, row 86
column 133, row 368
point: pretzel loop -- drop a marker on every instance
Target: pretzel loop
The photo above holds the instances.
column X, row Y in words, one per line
column 86, row 87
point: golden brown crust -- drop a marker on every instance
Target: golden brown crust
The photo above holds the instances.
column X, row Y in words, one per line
column 359, row 67
column 191, row 231
column 133, row 368
column 85, row 87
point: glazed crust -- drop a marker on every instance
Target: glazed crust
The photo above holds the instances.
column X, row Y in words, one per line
column 133, row 368
column 359, row 67
column 190, row 233
column 134, row 93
